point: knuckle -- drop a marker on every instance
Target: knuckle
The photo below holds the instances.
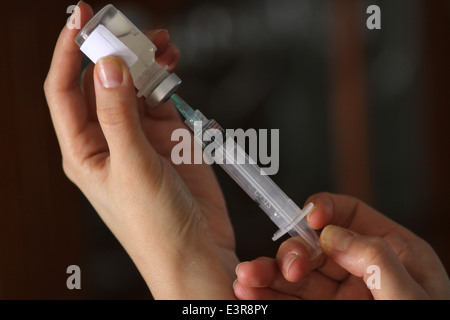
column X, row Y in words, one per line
column 69, row 169
column 112, row 115
column 46, row 85
column 377, row 250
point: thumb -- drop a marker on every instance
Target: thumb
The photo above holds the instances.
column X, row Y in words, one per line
column 117, row 109
column 374, row 260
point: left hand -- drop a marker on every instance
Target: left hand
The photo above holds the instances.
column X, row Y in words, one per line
column 172, row 220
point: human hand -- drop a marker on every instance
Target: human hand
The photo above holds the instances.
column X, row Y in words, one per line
column 354, row 237
column 172, row 220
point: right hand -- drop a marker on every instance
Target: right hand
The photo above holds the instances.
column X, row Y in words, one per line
column 354, row 237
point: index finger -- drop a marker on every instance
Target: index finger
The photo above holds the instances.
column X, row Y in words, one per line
column 62, row 89
column 348, row 212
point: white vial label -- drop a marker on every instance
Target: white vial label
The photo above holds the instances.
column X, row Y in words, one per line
column 102, row 42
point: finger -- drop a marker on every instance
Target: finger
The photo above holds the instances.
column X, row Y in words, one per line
column 348, row 212
column 365, row 256
column 63, row 93
column 169, row 58
column 294, row 262
column 249, row 293
column 66, row 62
column 259, row 273
column 166, row 54
column 321, row 213
column 87, row 86
column 264, row 273
column 117, row 111
column 160, row 39
column 163, row 56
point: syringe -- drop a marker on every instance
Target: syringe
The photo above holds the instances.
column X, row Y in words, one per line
column 272, row 200
column 109, row 32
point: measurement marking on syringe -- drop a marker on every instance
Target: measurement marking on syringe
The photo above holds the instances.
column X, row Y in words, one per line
column 263, row 200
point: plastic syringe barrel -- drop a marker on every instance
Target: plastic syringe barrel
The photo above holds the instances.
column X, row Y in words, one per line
column 260, row 187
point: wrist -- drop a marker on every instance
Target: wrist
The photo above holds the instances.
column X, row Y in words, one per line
column 193, row 267
column 193, row 273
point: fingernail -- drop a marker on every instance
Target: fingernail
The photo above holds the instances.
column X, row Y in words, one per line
column 237, row 267
column 234, row 283
column 336, row 238
column 289, row 258
column 311, row 212
column 110, row 72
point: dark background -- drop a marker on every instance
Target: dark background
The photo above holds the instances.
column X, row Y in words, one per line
column 360, row 112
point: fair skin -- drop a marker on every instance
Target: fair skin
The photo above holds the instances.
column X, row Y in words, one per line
column 172, row 219
column 354, row 237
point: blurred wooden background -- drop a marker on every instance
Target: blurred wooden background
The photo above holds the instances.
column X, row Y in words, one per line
column 43, row 226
